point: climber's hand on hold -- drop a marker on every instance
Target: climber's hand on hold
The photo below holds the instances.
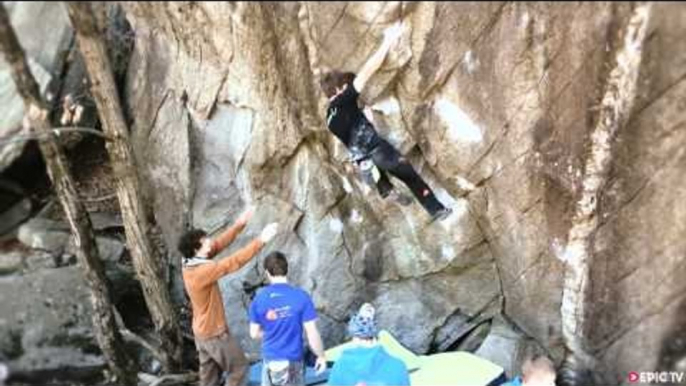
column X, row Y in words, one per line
column 391, row 36
column 245, row 217
column 393, row 33
column 269, row 232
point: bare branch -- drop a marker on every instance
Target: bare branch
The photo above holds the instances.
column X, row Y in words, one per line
column 100, row 198
column 52, row 133
column 133, row 337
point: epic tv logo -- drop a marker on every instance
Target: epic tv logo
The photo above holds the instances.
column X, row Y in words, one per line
column 657, row 377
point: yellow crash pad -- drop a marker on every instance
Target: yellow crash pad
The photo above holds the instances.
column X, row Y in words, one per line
column 454, row 369
column 388, row 342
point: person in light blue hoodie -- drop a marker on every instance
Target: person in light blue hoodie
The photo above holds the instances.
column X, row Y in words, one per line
column 367, row 363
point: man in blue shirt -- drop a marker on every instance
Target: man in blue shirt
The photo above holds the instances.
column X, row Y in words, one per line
column 278, row 315
column 367, row 363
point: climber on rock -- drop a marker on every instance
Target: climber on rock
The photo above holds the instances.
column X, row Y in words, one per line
column 373, row 154
column 217, row 348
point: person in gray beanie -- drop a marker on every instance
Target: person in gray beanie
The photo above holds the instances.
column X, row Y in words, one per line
column 367, row 362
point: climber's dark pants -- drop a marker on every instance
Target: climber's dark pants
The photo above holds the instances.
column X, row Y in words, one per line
column 388, row 159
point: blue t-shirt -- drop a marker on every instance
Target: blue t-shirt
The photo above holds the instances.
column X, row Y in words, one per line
column 372, row 365
column 281, row 309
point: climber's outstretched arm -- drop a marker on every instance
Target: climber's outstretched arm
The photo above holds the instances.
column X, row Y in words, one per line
column 391, row 35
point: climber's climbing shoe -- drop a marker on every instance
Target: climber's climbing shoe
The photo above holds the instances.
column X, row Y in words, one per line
column 441, row 214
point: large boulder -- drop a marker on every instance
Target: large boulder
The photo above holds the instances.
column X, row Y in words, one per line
column 15, row 208
column 12, row 130
column 46, row 332
column 49, row 325
column 492, row 103
column 46, row 44
column 507, row 347
column 10, row 262
column 55, row 237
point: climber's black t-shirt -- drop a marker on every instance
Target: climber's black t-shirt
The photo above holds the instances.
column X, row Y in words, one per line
column 347, row 122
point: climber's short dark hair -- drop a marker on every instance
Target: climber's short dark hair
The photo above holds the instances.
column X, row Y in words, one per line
column 190, row 242
column 335, row 79
column 276, row 264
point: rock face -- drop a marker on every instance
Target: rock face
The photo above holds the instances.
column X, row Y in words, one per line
column 55, row 238
column 45, row 313
column 506, row 348
column 210, row 154
column 491, row 102
column 56, row 329
column 46, row 44
column 45, row 33
column 15, row 208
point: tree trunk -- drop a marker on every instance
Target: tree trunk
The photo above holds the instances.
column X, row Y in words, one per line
column 104, row 323
column 146, row 260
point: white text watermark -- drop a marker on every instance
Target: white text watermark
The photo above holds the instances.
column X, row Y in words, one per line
column 657, row 377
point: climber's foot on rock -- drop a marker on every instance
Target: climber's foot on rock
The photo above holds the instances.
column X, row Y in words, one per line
column 441, row 214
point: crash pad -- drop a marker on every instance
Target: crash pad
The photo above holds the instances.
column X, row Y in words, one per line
column 456, row 369
column 388, row 341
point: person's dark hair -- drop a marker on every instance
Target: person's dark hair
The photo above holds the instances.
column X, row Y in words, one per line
column 276, row 264
column 335, row 79
column 189, row 242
